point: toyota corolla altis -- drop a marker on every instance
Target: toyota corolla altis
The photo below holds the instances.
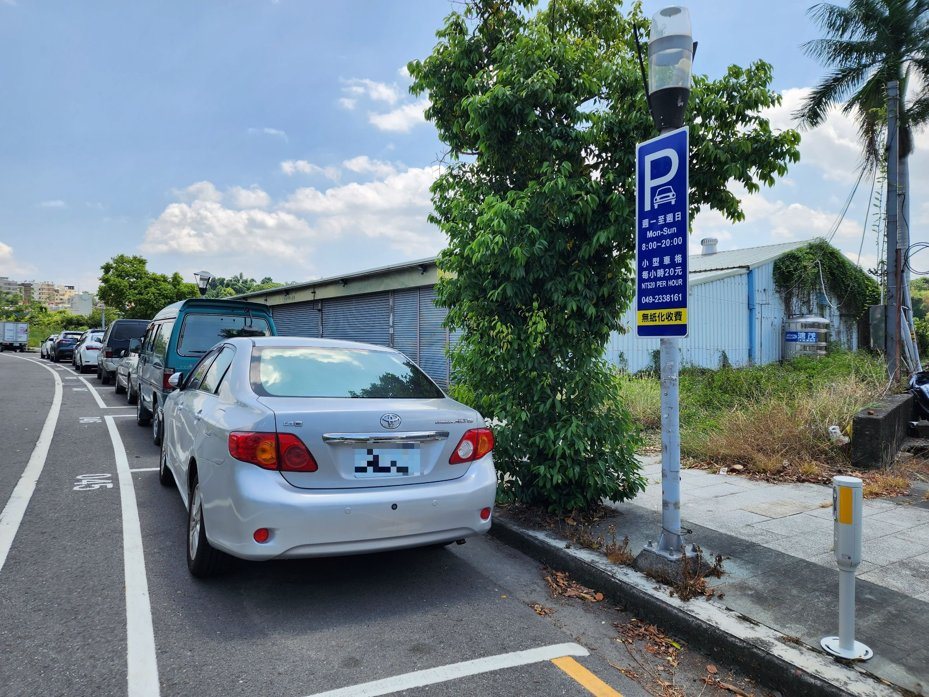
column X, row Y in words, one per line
column 291, row 447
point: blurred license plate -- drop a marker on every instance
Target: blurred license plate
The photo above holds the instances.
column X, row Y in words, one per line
column 387, row 462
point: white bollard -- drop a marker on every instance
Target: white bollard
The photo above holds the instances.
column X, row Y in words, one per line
column 847, row 516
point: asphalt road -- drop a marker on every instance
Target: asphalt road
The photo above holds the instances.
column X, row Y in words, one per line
column 95, row 597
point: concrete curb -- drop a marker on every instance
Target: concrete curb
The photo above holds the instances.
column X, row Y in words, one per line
column 773, row 658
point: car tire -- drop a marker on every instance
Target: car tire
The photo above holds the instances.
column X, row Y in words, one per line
column 117, row 388
column 99, row 373
column 203, row 560
column 132, row 396
column 104, row 376
column 143, row 416
column 157, row 426
column 165, row 477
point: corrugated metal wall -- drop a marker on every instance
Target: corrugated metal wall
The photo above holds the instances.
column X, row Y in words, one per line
column 297, row 319
column 406, row 322
column 433, row 337
column 364, row 318
column 718, row 318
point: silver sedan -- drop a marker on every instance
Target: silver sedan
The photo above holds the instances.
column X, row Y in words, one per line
column 289, row 447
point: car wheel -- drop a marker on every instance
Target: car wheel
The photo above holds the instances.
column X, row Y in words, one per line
column 203, row 560
column 164, row 474
column 104, row 376
column 143, row 416
column 99, row 373
column 55, row 359
column 157, row 425
column 132, row 396
column 119, row 389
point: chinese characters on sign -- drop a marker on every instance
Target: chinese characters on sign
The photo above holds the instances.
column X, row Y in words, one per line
column 801, row 337
column 661, row 235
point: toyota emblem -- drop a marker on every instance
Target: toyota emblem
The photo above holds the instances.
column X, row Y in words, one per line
column 390, row 421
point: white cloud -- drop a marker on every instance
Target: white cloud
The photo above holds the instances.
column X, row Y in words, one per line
column 832, row 147
column 56, row 203
column 292, row 167
column 348, row 103
column 9, row 266
column 199, row 191
column 253, row 197
column 365, row 165
column 205, row 227
column 394, row 208
column 274, row 132
column 402, row 119
column 373, row 90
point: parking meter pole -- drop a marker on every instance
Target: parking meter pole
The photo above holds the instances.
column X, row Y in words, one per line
column 670, row 544
column 847, row 509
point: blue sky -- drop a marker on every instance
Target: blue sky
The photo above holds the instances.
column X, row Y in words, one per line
column 279, row 138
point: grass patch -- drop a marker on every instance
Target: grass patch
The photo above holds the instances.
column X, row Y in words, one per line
column 770, row 420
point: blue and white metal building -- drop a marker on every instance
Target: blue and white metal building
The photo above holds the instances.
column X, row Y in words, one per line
column 734, row 310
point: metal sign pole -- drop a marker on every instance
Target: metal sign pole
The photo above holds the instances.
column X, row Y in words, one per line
column 670, row 543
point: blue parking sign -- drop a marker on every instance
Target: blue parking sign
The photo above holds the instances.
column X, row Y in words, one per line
column 661, row 224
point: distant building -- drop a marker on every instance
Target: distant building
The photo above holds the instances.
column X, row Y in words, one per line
column 82, row 303
column 736, row 314
column 8, row 285
column 53, row 296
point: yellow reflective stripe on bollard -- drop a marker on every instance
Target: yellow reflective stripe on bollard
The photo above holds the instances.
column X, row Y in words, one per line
column 585, row 678
column 846, row 495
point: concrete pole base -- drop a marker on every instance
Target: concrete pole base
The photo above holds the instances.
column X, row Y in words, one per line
column 860, row 652
column 668, row 565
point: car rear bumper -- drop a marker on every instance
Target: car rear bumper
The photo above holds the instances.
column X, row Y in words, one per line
column 316, row 523
column 108, row 364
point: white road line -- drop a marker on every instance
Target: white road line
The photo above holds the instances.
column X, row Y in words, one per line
column 141, row 469
column 141, row 660
column 96, row 396
column 455, row 671
column 14, row 510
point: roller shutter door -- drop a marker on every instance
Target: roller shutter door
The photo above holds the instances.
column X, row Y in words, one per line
column 406, row 322
column 296, row 319
column 364, row 318
column 433, row 337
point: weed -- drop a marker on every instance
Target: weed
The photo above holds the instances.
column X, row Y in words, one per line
column 884, row 484
column 618, row 552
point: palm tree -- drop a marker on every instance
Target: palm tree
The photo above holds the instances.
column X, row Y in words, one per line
column 868, row 44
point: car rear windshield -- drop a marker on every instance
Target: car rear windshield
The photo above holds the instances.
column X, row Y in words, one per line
column 200, row 332
column 96, row 337
column 316, row 371
column 124, row 331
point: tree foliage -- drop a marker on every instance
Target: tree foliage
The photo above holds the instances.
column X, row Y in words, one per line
column 236, row 285
column 541, row 112
column 868, row 44
column 128, row 287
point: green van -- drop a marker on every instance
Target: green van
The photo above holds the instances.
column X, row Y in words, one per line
column 179, row 336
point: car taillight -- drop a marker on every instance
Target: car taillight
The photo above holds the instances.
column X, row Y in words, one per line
column 474, row 445
column 271, row 451
column 168, row 372
column 108, row 354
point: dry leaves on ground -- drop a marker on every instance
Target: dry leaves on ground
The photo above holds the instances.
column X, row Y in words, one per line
column 541, row 610
column 656, row 642
column 561, row 584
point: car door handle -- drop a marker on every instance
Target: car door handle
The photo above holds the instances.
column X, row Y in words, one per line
column 198, row 415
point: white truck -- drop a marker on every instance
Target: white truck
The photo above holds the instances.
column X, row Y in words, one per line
column 14, row 336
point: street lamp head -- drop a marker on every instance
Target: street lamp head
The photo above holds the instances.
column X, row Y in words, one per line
column 203, row 280
column 670, row 57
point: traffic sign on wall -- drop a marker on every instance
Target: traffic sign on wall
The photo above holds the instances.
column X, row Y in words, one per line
column 661, row 224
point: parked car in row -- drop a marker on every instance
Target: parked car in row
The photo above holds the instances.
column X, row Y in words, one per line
column 290, row 447
column 63, row 347
column 45, row 349
column 179, row 336
column 115, row 346
column 127, row 374
column 86, row 350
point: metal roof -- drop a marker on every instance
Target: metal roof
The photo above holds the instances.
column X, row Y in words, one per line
column 748, row 258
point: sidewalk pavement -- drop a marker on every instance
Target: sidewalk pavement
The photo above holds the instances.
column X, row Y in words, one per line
column 780, row 572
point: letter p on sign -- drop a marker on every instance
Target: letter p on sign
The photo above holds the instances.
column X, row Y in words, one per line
column 652, row 183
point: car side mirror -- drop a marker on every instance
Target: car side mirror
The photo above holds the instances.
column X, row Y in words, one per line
column 134, row 345
column 175, row 380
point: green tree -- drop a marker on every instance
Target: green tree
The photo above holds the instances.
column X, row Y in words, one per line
column 541, row 112
column 236, row 285
column 129, row 288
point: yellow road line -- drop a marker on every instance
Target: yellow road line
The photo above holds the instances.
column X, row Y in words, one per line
column 585, row 678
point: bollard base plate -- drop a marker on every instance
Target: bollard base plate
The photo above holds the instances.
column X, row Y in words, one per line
column 860, row 652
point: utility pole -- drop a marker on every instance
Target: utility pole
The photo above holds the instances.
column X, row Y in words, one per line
column 892, row 308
